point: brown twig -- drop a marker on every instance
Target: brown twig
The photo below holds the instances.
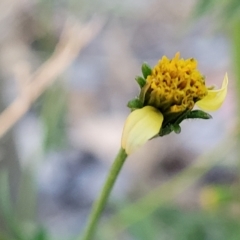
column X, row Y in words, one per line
column 72, row 40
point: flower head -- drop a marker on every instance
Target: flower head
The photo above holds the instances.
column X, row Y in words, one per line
column 168, row 94
column 174, row 85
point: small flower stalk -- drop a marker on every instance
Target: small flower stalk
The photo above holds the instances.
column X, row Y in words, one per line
column 168, row 94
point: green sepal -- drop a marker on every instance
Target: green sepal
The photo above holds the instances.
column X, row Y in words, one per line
column 198, row 114
column 170, row 128
column 146, row 70
column 141, row 81
column 176, row 128
column 165, row 130
column 174, row 118
column 135, row 103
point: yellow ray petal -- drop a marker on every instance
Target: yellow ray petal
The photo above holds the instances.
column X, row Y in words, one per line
column 214, row 98
column 140, row 126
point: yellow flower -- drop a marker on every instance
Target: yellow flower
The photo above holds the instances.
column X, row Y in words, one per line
column 174, row 85
column 170, row 92
column 141, row 125
column 209, row 198
column 214, row 99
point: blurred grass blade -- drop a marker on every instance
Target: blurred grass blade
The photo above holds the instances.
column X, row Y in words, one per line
column 7, row 209
column 53, row 115
column 232, row 10
column 27, row 197
column 5, row 200
column 236, row 57
column 3, row 236
column 41, row 234
column 203, row 6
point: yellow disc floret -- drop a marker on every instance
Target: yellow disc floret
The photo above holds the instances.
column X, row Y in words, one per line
column 175, row 85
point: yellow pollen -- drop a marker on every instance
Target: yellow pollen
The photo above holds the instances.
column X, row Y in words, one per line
column 175, row 85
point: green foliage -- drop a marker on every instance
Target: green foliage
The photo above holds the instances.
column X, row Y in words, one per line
column 53, row 115
column 203, row 6
column 18, row 222
column 40, row 234
column 225, row 11
column 12, row 227
column 177, row 224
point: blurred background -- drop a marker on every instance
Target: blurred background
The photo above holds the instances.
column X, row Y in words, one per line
column 67, row 71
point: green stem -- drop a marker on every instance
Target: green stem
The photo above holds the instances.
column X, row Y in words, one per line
column 102, row 200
